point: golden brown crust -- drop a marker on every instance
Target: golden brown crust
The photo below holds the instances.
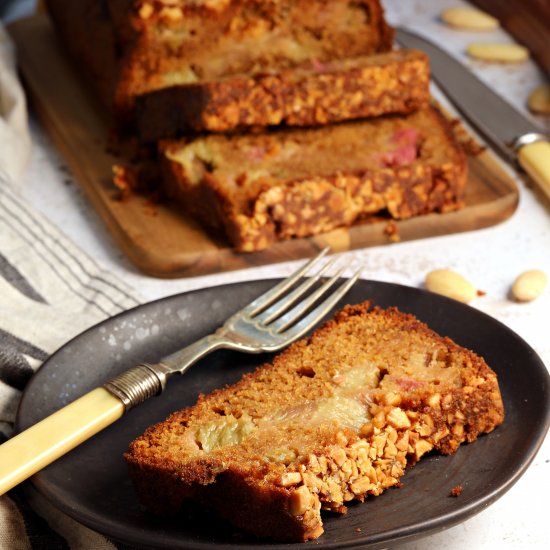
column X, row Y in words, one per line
column 299, row 450
column 259, row 199
column 319, row 93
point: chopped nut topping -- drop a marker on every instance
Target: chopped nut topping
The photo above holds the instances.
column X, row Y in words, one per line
column 398, row 418
column 145, row 11
column 173, row 13
column 290, row 478
column 300, row 501
column 422, row 447
column 434, row 400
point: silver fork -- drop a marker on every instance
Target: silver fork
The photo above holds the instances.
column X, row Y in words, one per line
column 269, row 323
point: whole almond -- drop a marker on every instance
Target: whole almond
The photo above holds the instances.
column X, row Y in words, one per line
column 450, row 284
column 529, row 285
column 469, row 19
column 501, row 53
column 539, row 100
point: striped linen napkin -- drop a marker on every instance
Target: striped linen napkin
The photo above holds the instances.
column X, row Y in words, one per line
column 49, row 292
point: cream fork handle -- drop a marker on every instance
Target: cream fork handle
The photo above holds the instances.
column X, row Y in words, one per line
column 41, row 444
column 535, row 160
column 38, row 446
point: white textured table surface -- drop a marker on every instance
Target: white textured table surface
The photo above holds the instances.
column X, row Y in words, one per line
column 490, row 258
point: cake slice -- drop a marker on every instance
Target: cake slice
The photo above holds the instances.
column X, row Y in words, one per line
column 131, row 47
column 336, row 417
column 260, row 188
column 314, row 94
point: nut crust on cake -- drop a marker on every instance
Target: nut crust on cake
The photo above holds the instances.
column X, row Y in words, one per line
column 336, row 417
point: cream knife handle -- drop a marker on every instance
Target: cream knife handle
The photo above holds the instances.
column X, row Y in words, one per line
column 534, row 158
column 41, row 444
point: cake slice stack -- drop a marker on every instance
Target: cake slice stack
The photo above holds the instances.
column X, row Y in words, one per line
column 271, row 119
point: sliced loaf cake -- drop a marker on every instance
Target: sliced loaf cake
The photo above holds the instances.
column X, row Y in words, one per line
column 260, row 188
column 309, row 95
column 130, row 47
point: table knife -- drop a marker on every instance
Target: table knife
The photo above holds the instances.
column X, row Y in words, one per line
column 515, row 137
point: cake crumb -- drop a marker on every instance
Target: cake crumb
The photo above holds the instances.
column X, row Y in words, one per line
column 456, row 491
column 392, row 231
column 124, row 180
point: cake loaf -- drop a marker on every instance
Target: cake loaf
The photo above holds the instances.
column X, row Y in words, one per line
column 260, row 188
column 310, row 95
column 131, row 47
column 336, row 417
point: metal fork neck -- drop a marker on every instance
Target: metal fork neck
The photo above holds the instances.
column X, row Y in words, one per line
column 135, row 385
column 181, row 360
column 146, row 380
column 266, row 324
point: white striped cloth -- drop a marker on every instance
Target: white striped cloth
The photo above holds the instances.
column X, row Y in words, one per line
column 49, row 292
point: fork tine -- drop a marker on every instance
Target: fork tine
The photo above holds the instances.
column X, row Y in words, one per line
column 278, row 308
column 310, row 320
column 297, row 312
column 269, row 297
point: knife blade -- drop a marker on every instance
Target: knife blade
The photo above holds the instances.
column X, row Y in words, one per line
column 506, row 129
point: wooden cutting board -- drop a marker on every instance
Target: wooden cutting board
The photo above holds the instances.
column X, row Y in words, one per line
column 159, row 239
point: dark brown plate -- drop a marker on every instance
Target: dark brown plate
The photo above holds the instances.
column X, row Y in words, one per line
column 91, row 484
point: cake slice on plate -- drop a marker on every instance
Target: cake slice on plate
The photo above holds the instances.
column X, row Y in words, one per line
column 336, row 417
